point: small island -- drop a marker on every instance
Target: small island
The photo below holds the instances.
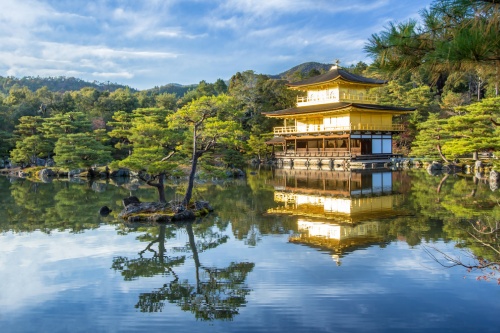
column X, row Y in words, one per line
column 166, row 212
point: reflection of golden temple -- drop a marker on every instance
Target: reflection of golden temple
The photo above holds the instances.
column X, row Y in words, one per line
column 341, row 196
column 337, row 238
column 338, row 211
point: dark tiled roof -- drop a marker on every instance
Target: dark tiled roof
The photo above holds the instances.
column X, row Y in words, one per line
column 333, row 107
column 276, row 140
column 334, row 74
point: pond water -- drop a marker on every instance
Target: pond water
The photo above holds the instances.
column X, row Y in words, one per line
column 284, row 251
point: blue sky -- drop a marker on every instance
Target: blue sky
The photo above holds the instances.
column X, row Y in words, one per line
column 147, row 43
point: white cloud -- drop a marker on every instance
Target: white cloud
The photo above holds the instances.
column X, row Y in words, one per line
column 30, row 276
column 116, row 75
column 20, row 14
column 155, row 42
column 91, row 62
column 278, row 7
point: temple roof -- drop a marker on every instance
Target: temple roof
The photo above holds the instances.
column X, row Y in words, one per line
column 336, row 73
column 333, row 107
column 276, row 140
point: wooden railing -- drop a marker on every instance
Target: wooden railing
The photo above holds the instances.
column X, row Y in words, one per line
column 326, row 128
column 332, row 153
column 303, row 101
column 303, row 152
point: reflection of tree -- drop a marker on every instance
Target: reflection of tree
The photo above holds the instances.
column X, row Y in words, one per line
column 483, row 254
column 59, row 205
column 470, row 214
column 143, row 266
column 216, row 294
column 245, row 203
column 218, row 298
column 29, row 203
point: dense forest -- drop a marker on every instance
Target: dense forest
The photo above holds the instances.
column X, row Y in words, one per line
column 446, row 65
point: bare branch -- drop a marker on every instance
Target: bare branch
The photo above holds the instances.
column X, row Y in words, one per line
column 167, row 157
column 483, row 243
column 442, row 182
column 456, row 261
column 482, row 230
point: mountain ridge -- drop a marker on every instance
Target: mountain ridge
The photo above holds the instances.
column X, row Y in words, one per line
column 62, row 83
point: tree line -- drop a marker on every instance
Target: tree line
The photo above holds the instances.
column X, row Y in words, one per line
column 213, row 125
column 447, row 67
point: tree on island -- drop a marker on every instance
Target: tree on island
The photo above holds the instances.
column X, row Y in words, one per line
column 207, row 123
column 153, row 146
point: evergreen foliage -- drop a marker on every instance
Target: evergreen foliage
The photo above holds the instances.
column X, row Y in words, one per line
column 54, row 84
column 211, row 123
column 454, row 36
column 80, row 150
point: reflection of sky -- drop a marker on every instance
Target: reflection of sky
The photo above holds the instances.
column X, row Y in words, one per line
column 64, row 282
column 35, row 267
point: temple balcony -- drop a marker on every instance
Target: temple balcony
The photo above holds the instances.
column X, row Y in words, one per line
column 353, row 98
column 321, row 129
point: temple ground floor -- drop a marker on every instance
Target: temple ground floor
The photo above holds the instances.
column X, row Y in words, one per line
column 372, row 150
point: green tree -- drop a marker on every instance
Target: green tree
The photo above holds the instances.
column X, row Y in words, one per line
column 66, row 123
column 220, row 87
column 63, row 103
column 313, row 72
column 29, row 125
column 455, row 35
column 203, row 89
column 61, row 124
column 85, row 100
column 358, row 69
column 257, row 146
column 430, row 138
column 30, row 141
column 80, row 150
column 167, row 101
column 29, row 149
column 257, row 93
column 120, row 133
column 46, row 98
column 211, row 124
column 5, row 144
column 472, row 131
column 402, row 92
column 124, row 99
column 154, row 145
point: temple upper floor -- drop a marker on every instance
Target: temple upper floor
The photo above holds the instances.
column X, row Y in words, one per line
column 336, row 85
column 337, row 94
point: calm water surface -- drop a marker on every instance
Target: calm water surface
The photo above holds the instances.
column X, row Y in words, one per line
column 285, row 251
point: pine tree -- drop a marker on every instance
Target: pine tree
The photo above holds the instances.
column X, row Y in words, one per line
column 430, row 138
column 153, row 146
column 472, row 130
column 80, row 150
column 210, row 122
